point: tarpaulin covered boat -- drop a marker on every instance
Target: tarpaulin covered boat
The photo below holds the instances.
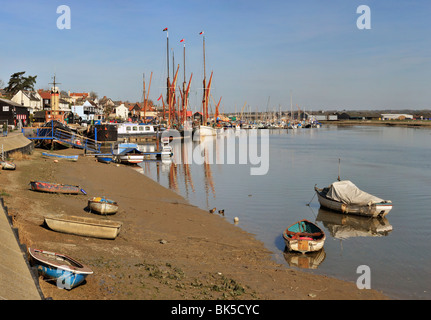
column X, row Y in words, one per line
column 345, row 197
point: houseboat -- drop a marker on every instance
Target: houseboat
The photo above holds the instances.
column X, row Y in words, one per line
column 128, row 129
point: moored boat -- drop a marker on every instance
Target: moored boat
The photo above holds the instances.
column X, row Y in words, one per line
column 59, row 156
column 68, row 272
column 134, row 129
column 130, row 156
column 83, row 226
column 304, row 236
column 7, row 165
column 102, row 205
column 345, row 197
column 50, row 187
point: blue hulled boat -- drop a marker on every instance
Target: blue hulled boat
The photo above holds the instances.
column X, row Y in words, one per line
column 68, row 272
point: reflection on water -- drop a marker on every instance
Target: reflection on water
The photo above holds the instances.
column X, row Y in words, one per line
column 310, row 260
column 392, row 163
column 342, row 226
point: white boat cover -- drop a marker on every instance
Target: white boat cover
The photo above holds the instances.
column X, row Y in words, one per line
column 347, row 192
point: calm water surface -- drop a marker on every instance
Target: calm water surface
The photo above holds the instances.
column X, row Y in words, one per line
column 390, row 162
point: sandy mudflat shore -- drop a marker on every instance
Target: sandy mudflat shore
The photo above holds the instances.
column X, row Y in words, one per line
column 167, row 249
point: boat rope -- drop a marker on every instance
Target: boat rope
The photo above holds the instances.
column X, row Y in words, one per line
column 308, row 204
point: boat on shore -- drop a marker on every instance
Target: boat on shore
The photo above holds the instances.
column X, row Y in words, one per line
column 103, row 206
column 345, row 197
column 68, row 272
column 104, row 158
column 304, row 236
column 59, row 156
column 51, row 187
column 7, row 165
column 84, row 226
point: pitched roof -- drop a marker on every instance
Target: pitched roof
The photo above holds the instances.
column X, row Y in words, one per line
column 45, row 94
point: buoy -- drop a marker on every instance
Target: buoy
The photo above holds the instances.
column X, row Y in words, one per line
column 55, row 160
column 236, row 219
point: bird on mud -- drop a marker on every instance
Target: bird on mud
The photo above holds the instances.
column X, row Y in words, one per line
column 221, row 212
column 213, row 210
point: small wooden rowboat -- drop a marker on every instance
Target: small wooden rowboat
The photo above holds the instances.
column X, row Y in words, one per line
column 68, row 272
column 102, row 205
column 304, row 236
column 55, row 187
column 59, row 156
column 83, row 226
column 345, row 197
column 7, row 165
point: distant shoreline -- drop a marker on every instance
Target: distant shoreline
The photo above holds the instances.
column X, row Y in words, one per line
column 388, row 123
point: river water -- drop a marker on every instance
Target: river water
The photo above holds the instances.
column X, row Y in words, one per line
column 392, row 163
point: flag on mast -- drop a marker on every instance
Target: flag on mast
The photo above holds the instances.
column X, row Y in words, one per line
column 182, row 40
column 201, row 32
column 159, row 98
column 165, row 29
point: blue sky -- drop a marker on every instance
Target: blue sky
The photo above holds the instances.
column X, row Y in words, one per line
column 260, row 51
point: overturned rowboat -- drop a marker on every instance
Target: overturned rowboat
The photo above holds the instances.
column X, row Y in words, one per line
column 104, row 158
column 60, row 156
column 50, row 187
column 68, row 272
column 102, row 205
column 83, row 226
column 304, row 236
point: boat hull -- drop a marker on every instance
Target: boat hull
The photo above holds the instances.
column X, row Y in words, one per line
column 55, row 187
column 59, row 156
column 102, row 206
column 374, row 210
column 82, row 226
column 311, row 239
column 68, row 272
column 104, row 159
column 131, row 158
column 6, row 165
column 203, row 131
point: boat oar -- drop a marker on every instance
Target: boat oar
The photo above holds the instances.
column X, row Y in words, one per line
column 83, row 191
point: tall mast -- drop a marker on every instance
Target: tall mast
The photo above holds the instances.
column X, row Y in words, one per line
column 184, row 85
column 204, row 85
column 167, row 62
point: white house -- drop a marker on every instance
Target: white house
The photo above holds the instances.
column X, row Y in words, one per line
column 30, row 99
column 122, row 111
